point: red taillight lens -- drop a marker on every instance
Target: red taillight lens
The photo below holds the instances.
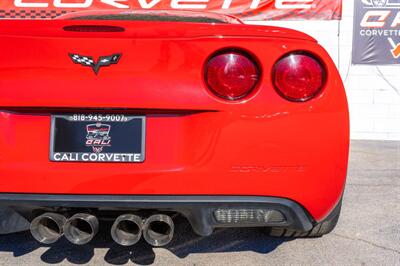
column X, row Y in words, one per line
column 299, row 77
column 231, row 75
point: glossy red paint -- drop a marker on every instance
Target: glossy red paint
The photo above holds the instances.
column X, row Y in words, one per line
column 196, row 142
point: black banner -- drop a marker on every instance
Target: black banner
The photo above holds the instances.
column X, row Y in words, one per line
column 376, row 38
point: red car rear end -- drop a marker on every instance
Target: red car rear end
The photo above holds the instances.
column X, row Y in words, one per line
column 236, row 125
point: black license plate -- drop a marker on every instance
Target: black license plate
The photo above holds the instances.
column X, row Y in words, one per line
column 97, row 138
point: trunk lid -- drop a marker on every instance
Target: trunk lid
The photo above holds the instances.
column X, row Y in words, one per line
column 160, row 65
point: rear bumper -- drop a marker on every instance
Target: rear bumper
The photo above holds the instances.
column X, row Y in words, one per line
column 234, row 152
column 199, row 210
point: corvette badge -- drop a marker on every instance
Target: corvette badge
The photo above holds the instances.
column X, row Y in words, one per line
column 101, row 62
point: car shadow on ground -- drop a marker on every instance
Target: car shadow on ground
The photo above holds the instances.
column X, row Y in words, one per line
column 185, row 242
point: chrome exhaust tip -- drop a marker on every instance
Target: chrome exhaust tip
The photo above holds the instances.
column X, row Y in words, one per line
column 127, row 229
column 48, row 227
column 81, row 228
column 158, row 230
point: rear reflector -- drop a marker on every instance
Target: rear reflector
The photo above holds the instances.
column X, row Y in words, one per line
column 248, row 216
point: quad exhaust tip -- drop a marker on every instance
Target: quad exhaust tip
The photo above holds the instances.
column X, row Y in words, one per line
column 127, row 229
column 158, row 230
column 81, row 228
column 48, row 227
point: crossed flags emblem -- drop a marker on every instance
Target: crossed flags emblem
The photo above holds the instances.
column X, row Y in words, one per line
column 101, row 62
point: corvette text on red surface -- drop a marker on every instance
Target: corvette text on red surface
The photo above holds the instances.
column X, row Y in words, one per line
column 246, row 9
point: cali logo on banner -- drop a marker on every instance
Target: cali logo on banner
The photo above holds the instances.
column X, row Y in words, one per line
column 376, row 32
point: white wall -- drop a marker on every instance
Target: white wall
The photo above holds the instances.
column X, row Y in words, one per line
column 373, row 91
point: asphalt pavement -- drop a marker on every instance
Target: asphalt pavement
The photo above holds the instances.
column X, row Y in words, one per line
column 368, row 232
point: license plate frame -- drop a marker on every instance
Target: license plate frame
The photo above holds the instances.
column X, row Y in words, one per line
column 97, row 138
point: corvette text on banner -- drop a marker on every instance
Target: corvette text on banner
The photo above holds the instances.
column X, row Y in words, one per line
column 245, row 9
column 376, row 32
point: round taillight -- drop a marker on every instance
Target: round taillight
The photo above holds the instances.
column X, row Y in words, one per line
column 299, row 77
column 231, row 75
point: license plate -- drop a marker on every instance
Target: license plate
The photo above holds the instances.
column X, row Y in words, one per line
column 97, row 138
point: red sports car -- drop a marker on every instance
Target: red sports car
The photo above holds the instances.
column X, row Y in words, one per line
column 143, row 116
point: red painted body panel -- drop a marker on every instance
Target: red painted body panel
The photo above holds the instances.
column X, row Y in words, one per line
column 196, row 143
